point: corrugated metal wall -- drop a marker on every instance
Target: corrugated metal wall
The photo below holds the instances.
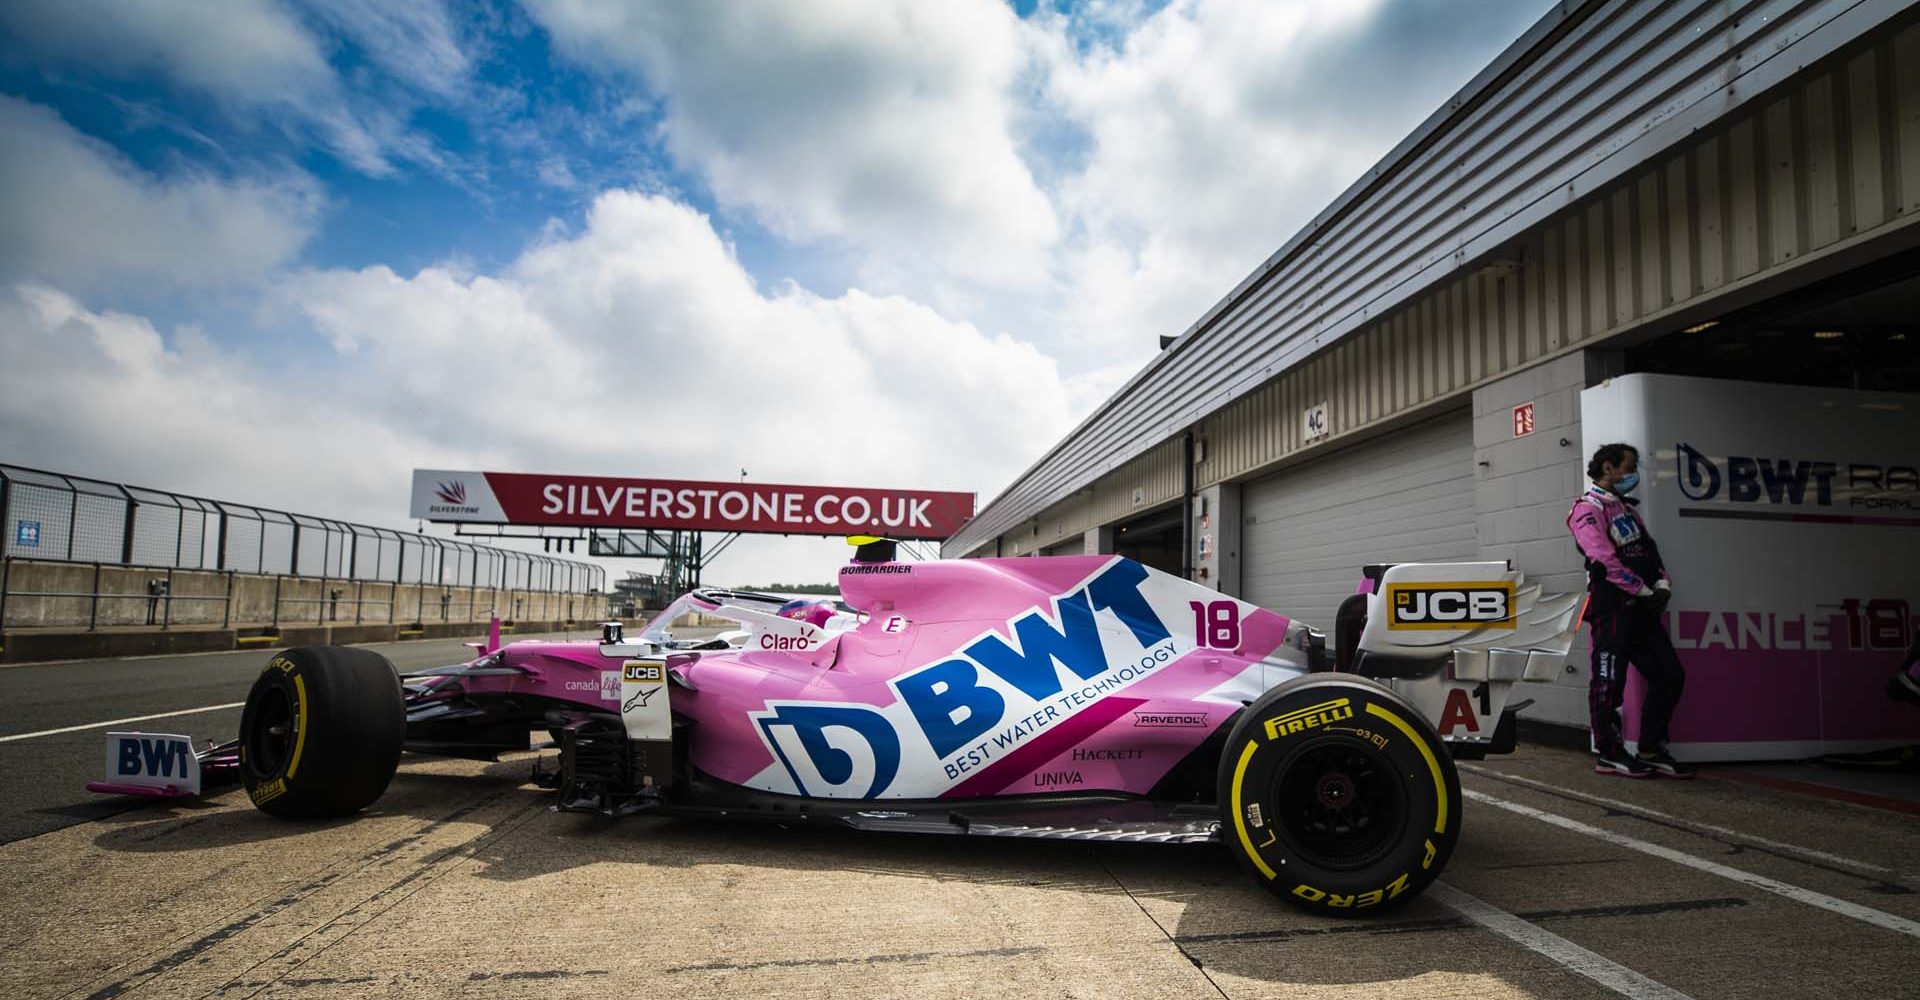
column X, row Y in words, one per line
column 1137, row 487
column 1503, row 178
column 1835, row 158
column 1406, row 497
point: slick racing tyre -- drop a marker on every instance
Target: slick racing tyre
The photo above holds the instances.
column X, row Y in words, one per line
column 321, row 733
column 1338, row 796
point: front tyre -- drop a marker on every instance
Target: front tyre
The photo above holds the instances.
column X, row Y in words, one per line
column 1338, row 796
column 322, row 732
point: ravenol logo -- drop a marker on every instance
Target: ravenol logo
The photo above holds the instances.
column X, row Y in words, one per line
column 1450, row 605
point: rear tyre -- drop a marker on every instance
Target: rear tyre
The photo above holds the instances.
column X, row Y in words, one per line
column 1338, row 796
column 321, row 733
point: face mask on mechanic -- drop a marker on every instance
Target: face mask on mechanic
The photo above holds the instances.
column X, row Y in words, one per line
column 1627, row 484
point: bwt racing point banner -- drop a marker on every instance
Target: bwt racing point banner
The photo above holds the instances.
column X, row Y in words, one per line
column 672, row 504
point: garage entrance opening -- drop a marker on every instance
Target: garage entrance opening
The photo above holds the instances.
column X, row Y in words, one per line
column 1152, row 539
column 1859, row 330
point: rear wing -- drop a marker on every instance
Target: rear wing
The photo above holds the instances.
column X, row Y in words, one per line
column 1453, row 639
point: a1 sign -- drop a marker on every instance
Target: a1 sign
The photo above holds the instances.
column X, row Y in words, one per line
column 1523, row 419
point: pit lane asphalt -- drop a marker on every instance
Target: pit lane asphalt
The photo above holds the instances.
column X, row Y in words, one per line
column 462, row 882
column 42, row 780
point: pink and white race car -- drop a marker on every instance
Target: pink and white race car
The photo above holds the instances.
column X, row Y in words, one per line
column 1074, row 697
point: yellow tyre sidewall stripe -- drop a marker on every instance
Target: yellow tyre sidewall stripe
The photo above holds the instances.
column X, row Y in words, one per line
column 1439, row 781
column 300, row 720
column 1240, row 814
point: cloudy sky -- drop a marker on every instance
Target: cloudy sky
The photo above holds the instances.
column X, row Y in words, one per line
column 286, row 251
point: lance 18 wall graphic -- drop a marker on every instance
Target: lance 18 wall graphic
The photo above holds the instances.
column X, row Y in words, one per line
column 1790, row 519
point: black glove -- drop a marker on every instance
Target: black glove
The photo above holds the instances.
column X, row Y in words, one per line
column 1656, row 603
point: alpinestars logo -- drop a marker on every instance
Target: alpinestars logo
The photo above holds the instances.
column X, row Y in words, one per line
column 453, row 499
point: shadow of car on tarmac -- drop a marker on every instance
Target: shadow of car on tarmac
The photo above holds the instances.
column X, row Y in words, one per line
column 1220, row 920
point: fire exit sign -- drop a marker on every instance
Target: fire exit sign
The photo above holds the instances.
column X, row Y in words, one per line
column 1523, row 419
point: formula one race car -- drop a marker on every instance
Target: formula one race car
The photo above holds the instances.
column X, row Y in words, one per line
column 1073, row 697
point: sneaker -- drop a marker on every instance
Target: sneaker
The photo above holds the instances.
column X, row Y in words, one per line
column 1664, row 765
column 1903, row 686
column 1619, row 765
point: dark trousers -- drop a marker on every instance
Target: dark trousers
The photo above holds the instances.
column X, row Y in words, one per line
column 1631, row 635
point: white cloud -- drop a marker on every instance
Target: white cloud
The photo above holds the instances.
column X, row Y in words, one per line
column 636, row 346
column 415, row 42
column 257, row 60
column 1089, row 180
column 1218, row 128
column 105, row 393
column 78, row 214
column 883, row 125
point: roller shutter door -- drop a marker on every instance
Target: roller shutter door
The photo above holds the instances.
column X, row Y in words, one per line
column 1404, row 497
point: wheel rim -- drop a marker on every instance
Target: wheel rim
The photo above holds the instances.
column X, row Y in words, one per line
column 1340, row 802
column 272, row 736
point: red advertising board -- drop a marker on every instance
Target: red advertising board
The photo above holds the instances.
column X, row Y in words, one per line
column 674, row 504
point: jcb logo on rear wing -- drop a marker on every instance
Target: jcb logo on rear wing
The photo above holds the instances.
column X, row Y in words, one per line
column 1450, row 605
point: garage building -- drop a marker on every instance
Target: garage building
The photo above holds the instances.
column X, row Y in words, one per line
column 1634, row 190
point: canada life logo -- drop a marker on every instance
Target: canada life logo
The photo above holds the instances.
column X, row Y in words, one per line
column 452, row 495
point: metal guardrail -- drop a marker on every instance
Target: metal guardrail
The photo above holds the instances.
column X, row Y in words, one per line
column 458, row 602
column 55, row 517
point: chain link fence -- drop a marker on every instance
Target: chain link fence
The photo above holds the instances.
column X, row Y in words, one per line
column 50, row 517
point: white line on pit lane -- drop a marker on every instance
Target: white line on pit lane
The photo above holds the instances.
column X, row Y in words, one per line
column 1533, row 937
column 1865, row 914
column 1692, row 824
column 119, row 722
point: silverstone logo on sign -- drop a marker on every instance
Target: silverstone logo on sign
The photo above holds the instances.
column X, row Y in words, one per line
column 1450, row 605
column 605, row 502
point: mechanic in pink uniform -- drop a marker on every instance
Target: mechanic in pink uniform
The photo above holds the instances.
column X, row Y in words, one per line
column 1627, row 588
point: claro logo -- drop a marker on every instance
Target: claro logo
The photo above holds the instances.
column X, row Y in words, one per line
column 1796, row 481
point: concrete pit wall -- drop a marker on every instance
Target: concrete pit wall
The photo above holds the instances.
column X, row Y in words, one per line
column 202, row 598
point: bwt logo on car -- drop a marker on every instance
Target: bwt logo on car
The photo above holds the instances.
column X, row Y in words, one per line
column 965, row 718
column 154, row 758
column 1749, row 479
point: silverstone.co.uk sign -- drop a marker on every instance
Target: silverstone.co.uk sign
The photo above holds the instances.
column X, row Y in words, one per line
column 619, row 502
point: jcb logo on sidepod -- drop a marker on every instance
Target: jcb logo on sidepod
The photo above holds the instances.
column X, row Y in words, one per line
column 1449, row 605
